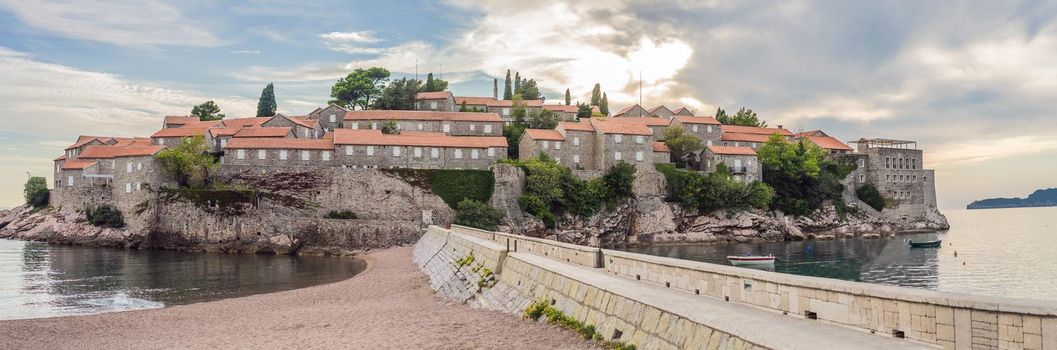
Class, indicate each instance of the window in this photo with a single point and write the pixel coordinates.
(333, 119)
(282, 154)
(576, 158)
(862, 178)
(128, 187)
(355, 126)
(128, 167)
(708, 128)
(546, 144)
(474, 154)
(419, 126)
(558, 160)
(694, 127)
(617, 138)
(487, 128)
(576, 140)
(240, 154)
(616, 156)
(262, 154)
(888, 178)
(557, 145)
(138, 186)
(434, 153)
(473, 127)
(491, 152)
(306, 155)
(348, 150)
(447, 128)
(432, 104)
(638, 156)
(458, 154)
(418, 152)
(709, 142)
(914, 163)
(506, 111)
(325, 155)
(639, 139)
(304, 132)
(862, 163)
(396, 151)
(370, 151)
(374, 125)
(69, 181)
(888, 163)
(139, 166)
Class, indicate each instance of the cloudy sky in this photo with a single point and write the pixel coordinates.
(974, 83)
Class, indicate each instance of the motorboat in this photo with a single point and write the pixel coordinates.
(751, 260)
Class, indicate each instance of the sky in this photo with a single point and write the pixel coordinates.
(975, 83)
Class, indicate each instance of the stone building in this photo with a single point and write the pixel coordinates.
(473, 104)
(567, 112)
(252, 122)
(279, 152)
(708, 129)
(171, 137)
(550, 142)
(683, 111)
(173, 121)
(617, 142)
(416, 150)
(303, 127)
(452, 123)
(591, 145)
(505, 109)
(752, 137)
(330, 117)
(661, 153)
(115, 174)
(661, 112)
(580, 145)
(632, 111)
(657, 125)
(741, 161)
(821, 139)
(896, 168)
(442, 101)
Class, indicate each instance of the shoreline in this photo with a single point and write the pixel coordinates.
(831, 237)
(389, 304)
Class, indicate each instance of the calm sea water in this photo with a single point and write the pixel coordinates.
(1000, 252)
(40, 280)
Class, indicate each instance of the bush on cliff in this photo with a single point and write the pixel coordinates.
(105, 216)
(189, 163)
(477, 214)
(454, 186)
(36, 192)
(706, 193)
(871, 196)
(802, 175)
(340, 214)
(552, 189)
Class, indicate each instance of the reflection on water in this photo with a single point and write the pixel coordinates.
(38, 280)
(1000, 252)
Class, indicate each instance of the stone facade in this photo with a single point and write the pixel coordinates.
(435, 101)
(451, 123)
(612, 149)
(300, 127)
(707, 129)
(329, 118)
(897, 172)
(743, 167)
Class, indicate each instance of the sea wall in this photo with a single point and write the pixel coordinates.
(652, 301)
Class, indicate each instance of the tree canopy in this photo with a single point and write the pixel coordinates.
(189, 163)
(206, 111)
(434, 85)
(266, 104)
(528, 90)
(543, 119)
(398, 95)
(744, 117)
(568, 98)
(389, 127)
(36, 192)
(583, 111)
(552, 189)
(681, 144)
(802, 175)
(604, 106)
(357, 88)
(507, 92)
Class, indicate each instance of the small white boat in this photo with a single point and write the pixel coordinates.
(751, 260)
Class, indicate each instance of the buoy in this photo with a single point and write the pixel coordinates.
(955, 253)
(963, 263)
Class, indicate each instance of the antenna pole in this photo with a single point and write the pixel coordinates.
(640, 90)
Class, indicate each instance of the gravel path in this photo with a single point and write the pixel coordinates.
(390, 305)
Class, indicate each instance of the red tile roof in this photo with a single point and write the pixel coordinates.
(683, 110)
(84, 140)
(755, 130)
(224, 131)
(829, 143)
(62, 157)
(280, 143)
(77, 164)
(438, 95)
(654, 110)
(510, 103)
(738, 137)
(470, 100)
(737, 151)
(610, 127)
(108, 152)
(584, 125)
(263, 132)
(647, 121)
(544, 134)
(245, 122)
(131, 141)
(186, 131)
(661, 147)
(376, 138)
(304, 121)
(627, 109)
(696, 120)
(179, 120)
(423, 115)
(562, 108)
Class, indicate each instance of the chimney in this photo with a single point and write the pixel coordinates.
(495, 88)
(780, 126)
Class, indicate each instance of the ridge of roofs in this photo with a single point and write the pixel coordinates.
(179, 119)
(263, 132)
(301, 120)
(510, 103)
(131, 141)
(654, 109)
(473, 100)
(84, 139)
(659, 146)
(279, 143)
(377, 138)
(224, 131)
(562, 108)
(682, 109)
(626, 109)
(577, 126)
(739, 137)
(731, 150)
(827, 142)
(433, 95)
(77, 164)
(685, 119)
(422, 115)
(62, 157)
(544, 134)
(107, 152)
(609, 127)
(186, 131)
(245, 122)
(755, 130)
(647, 121)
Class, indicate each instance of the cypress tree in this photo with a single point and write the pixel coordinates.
(568, 98)
(604, 106)
(429, 82)
(266, 104)
(596, 95)
(507, 94)
(517, 83)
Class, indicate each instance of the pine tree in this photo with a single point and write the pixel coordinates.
(568, 98)
(266, 105)
(604, 106)
(507, 94)
(517, 82)
(596, 95)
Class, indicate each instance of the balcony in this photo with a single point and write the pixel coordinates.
(737, 170)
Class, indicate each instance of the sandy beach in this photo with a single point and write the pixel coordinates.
(390, 305)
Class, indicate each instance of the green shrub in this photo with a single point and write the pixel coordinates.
(105, 216)
(476, 214)
(454, 186)
(871, 196)
(542, 308)
(618, 180)
(802, 175)
(717, 190)
(36, 192)
(342, 214)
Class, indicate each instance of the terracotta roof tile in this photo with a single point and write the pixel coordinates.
(683, 111)
(422, 115)
(437, 95)
(263, 132)
(829, 143)
(77, 164)
(179, 119)
(544, 134)
(245, 122)
(131, 141)
(661, 147)
(84, 140)
(739, 137)
(224, 131)
(610, 127)
(729, 150)
(510, 103)
(754, 130)
(471, 100)
(108, 152)
(280, 143)
(376, 138)
(186, 131)
(653, 111)
(62, 157)
(696, 120)
(647, 121)
(562, 108)
(584, 125)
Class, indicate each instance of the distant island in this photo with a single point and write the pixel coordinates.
(1039, 198)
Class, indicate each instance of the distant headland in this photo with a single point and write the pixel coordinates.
(1039, 198)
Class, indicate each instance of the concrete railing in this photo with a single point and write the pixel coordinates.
(951, 320)
(567, 252)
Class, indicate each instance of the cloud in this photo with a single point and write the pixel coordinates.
(366, 37)
(245, 52)
(124, 23)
